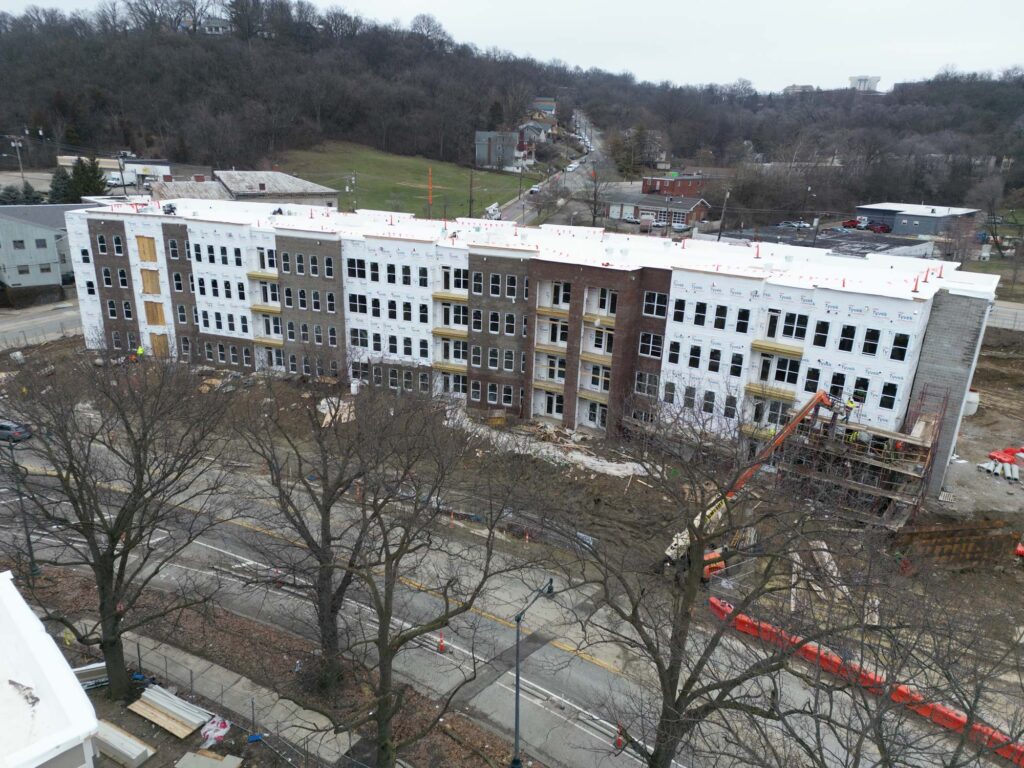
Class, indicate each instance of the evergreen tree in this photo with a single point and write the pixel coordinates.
(10, 195)
(86, 179)
(495, 117)
(29, 196)
(60, 186)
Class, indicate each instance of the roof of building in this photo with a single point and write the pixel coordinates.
(45, 215)
(772, 263)
(654, 200)
(43, 709)
(911, 209)
(196, 190)
(274, 183)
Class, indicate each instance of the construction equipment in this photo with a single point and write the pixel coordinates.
(714, 559)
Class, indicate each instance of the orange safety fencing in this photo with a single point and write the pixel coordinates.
(946, 717)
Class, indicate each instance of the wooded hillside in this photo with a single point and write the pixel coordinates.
(133, 75)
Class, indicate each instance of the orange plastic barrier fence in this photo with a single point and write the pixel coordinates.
(946, 717)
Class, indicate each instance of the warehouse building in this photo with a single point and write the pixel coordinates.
(910, 219)
(571, 324)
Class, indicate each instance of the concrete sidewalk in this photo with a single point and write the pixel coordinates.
(306, 729)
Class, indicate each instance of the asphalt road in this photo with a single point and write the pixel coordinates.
(566, 698)
(21, 327)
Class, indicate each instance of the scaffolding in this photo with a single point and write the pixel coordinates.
(862, 472)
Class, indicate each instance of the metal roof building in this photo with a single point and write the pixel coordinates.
(917, 219)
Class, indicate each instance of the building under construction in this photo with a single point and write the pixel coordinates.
(866, 473)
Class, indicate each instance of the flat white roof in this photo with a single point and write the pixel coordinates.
(43, 709)
(776, 263)
(911, 209)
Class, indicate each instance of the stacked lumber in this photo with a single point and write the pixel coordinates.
(92, 675)
(121, 747)
(175, 715)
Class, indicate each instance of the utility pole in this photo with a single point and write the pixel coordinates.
(721, 224)
(470, 193)
(546, 591)
(120, 164)
(17, 148)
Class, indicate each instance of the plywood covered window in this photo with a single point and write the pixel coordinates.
(147, 248)
(150, 281)
(154, 313)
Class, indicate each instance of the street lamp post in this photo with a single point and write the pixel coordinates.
(33, 569)
(546, 591)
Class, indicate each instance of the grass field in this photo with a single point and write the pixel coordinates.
(1006, 291)
(399, 183)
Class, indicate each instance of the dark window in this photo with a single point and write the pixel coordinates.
(787, 370)
(673, 352)
(846, 338)
(821, 333)
(721, 313)
(700, 313)
(773, 322)
(736, 367)
(730, 407)
(899, 346)
(678, 310)
(709, 402)
(838, 383)
(655, 304)
(742, 320)
(695, 356)
(888, 399)
(813, 380)
(794, 326)
(860, 389)
(714, 360)
(650, 345)
(871, 336)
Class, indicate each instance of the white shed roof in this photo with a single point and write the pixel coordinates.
(43, 709)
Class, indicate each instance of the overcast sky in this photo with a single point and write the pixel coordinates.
(815, 42)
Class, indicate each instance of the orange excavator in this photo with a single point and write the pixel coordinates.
(715, 559)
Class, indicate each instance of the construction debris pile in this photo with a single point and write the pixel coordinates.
(1005, 463)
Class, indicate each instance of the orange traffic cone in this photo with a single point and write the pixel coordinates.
(440, 643)
(619, 743)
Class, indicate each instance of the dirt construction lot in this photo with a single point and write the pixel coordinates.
(999, 423)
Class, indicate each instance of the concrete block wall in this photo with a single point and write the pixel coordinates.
(949, 355)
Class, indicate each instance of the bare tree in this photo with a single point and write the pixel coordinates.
(316, 451)
(410, 553)
(696, 682)
(128, 456)
(594, 193)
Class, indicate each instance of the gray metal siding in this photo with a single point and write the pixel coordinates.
(35, 259)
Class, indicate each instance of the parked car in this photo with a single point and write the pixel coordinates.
(535, 189)
(13, 432)
(879, 228)
(801, 224)
(658, 224)
(572, 167)
(851, 223)
(631, 219)
(681, 227)
(787, 225)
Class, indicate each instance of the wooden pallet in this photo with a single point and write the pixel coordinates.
(164, 719)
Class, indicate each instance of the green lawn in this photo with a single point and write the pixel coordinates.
(1006, 289)
(399, 183)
